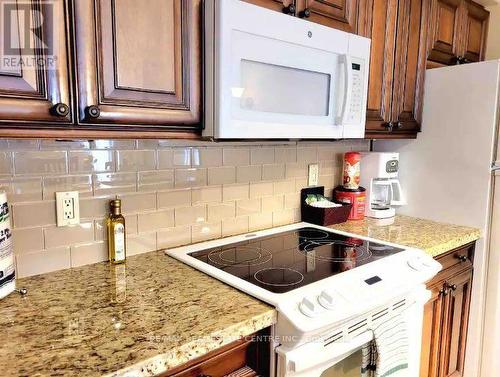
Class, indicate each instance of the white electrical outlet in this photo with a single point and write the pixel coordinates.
(313, 175)
(68, 208)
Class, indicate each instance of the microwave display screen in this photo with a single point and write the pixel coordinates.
(274, 88)
(356, 67)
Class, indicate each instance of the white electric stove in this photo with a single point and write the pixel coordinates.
(334, 293)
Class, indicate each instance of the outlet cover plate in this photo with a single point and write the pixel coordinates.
(67, 208)
(313, 175)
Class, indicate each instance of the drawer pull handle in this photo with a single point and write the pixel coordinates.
(60, 109)
(462, 258)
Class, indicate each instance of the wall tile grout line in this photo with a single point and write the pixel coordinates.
(174, 192)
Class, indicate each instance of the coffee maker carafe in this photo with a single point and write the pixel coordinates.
(379, 175)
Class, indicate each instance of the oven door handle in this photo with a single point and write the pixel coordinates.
(346, 101)
(315, 356)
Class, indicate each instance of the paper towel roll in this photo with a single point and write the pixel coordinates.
(7, 271)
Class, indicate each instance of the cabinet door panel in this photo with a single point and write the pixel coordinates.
(475, 31)
(432, 333)
(410, 64)
(29, 91)
(445, 24)
(338, 14)
(139, 64)
(276, 5)
(455, 324)
(383, 35)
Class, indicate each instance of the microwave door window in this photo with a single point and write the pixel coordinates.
(271, 88)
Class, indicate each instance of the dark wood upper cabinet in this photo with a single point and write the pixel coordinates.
(338, 14)
(475, 32)
(445, 26)
(409, 69)
(29, 92)
(458, 32)
(382, 31)
(285, 6)
(138, 64)
(397, 67)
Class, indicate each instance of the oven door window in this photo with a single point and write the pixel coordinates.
(349, 367)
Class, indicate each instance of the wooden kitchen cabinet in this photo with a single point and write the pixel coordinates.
(344, 15)
(27, 93)
(458, 30)
(248, 357)
(446, 315)
(134, 70)
(475, 32)
(138, 64)
(397, 67)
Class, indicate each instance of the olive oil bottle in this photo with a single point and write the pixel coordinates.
(116, 233)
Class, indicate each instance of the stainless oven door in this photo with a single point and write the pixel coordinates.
(316, 359)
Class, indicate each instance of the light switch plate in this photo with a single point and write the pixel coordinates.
(313, 175)
(67, 208)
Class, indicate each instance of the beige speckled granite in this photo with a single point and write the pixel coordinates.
(433, 237)
(144, 317)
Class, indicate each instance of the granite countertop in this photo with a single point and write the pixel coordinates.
(154, 313)
(142, 318)
(433, 237)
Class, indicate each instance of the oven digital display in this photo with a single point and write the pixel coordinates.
(373, 280)
(356, 67)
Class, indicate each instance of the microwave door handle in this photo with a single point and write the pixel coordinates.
(346, 102)
(396, 188)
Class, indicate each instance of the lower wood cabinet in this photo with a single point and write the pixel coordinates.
(446, 315)
(247, 357)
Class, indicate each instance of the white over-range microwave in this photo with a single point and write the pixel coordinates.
(272, 76)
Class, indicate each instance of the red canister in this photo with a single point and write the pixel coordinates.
(356, 197)
(352, 170)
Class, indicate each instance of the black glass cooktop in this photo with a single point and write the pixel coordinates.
(289, 260)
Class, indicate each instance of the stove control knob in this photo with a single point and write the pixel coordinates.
(327, 300)
(308, 307)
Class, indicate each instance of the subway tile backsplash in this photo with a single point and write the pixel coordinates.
(174, 192)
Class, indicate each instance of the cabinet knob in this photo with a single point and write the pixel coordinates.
(389, 126)
(443, 292)
(399, 125)
(456, 60)
(60, 110)
(92, 112)
(464, 60)
(290, 9)
(306, 13)
(453, 287)
(462, 258)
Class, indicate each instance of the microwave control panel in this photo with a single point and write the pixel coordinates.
(358, 91)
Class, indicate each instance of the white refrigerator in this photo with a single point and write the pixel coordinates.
(449, 174)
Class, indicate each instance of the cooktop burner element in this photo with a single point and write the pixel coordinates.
(278, 276)
(284, 261)
(240, 256)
